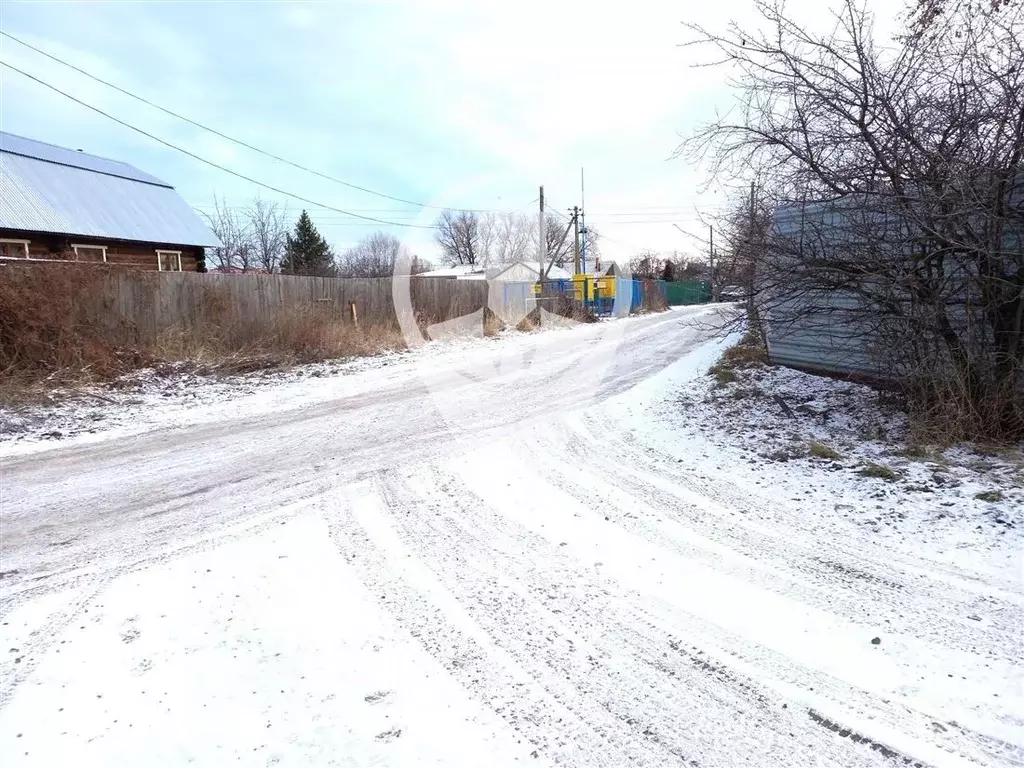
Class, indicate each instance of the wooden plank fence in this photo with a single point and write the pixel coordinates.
(150, 303)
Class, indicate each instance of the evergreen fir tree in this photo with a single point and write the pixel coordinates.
(668, 274)
(307, 252)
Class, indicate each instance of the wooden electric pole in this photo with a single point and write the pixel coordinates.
(542, 237)
(576, 239)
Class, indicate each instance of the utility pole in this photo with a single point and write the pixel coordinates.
(583, 223)
(576, 241)
(542, 237)
(711, 258)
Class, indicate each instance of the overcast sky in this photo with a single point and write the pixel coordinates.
(462, 103)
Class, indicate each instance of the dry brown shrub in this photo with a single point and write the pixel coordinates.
(49, 327)
(59, 324)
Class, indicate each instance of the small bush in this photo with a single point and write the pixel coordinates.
(562, 307)
(493, 324)
(822, 451)
(722, 374)
(992, 496)
(748, 353)
(871, 469)
(743, 356)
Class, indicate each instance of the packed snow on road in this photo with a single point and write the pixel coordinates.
(561, 548)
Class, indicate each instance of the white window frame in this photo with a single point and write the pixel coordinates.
(14, 241)
(160, 263)
(76, 246)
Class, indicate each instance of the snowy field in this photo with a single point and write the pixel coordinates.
(562, 548)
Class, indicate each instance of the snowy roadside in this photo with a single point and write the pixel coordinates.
(241, 656)
(665, 596)
(148, 399)
(796, 437)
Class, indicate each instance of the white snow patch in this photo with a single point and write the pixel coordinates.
(268, 650)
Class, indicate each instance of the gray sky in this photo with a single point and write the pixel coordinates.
(462, 103)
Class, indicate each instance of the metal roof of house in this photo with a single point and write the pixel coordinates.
(45, 188)
(458, 270)
(554, 272)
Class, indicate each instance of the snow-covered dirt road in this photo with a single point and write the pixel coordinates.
(444, 562)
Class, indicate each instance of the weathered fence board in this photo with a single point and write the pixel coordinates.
(147, 304)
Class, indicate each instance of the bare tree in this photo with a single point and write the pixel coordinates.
(647, 265)
(507, 237)
(233, 231)
(896, 178)
(515, 237)
(593, 246)
(931, 19)
(375, 256)
(740, 232)
(268, 231)
(458, 234)
(558, 233)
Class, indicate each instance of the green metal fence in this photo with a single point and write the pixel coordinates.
(688, 292)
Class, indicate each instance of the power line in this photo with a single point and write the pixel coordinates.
(224, 136)
(397, 212)
(209, 162)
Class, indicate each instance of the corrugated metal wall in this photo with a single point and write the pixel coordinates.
(834, 331)
(820, 331)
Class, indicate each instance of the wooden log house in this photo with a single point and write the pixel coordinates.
(64, 205)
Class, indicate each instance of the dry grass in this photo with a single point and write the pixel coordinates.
(947, 408)
(561, 306)
(60, 328)
(653, 300)
(45, 327)
(722, 374)
(529, 323)
(871, 469)
(822, 451)
(749, 353)
(493, 325)
(56, 329)
(990, 496)
(301, 335)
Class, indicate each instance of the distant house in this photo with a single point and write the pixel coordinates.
(528, 272)
(458, 272)
(59, 204)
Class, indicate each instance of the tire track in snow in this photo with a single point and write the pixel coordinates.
(840, 585)
(904, 604)
(42, 638)
(562, 663)
(692, 707)
(911, 567)
(794, 680)
(447, 632)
